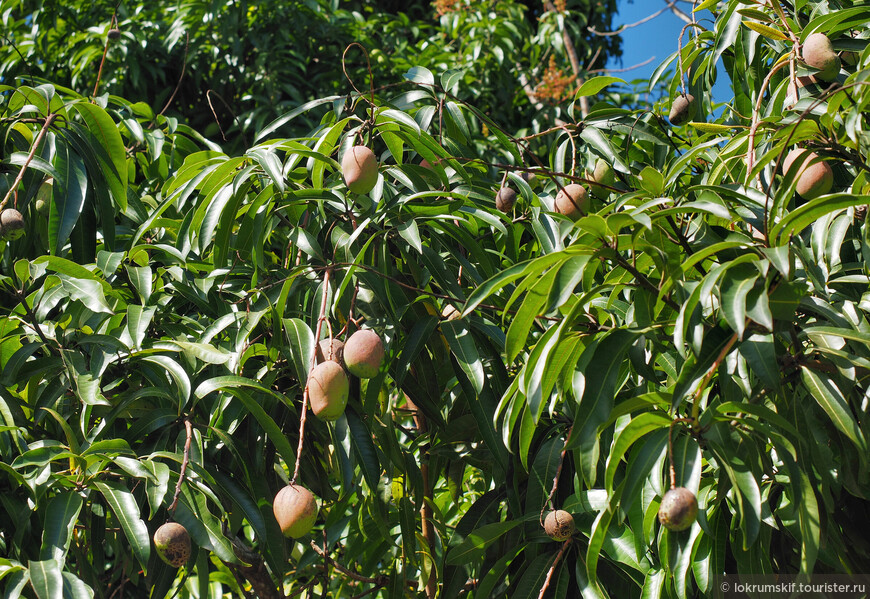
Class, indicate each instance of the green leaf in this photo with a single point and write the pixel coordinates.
(138, 321)
(205, 352)
(601, 378)
(747, 495)
(531, 308)
(529, 586)
(178, 374)
(497, 571)
(830, 398)
(760, 354)
(234, 385)
(61, 516)
(363, 447)
(598, 535)
(87, 291)
(70, 190)
(636, 429)
(300, 345)
(766, 31)
(75, 588)
(464, 348)
(420, 75)
(542, 473)
(141, 278)
(802, 217)
(711, 127)
(593, 86)
(46, 578)
(475, 543)
(193, 513)
(70, 269)
(108, 148)
(735, 286)
(126, 512)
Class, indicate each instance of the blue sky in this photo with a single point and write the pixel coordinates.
(657, 38)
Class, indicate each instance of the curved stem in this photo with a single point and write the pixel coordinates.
(48, 121)
(305, 393)
(184, 462)
(673, 472)
(555, 486)
(552, 569)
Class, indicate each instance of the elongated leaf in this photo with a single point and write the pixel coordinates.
(363, 447)
(108, 149)
(542, 473)
(532, 581)
(593, 86)
(599, 533)
(138, 321)
(760, 354)
(495, 573)
(300, 345)
(831, 399)
(601, 379)
(87, 291)
(235, 386)
(531, 308)
(633, 431)
(766, 31)
(802, 217)
(70, 269)
(61, 516)
(463, 347)
(474, 545)
(46, 578)
(75, 588)
(126, 512)
(178, 374)
(735, 286)
(69, 194)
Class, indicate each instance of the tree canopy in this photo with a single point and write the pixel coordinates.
(229, 68)
(694, 320)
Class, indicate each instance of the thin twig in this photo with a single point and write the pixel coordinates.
(593, 31)
(696, 400)
(683, 16)
(371, 77)
(756, 118)
(181, 77)
(103, 61)
(185, 460)
(378, 580)
(232, 113)
(626, 69)
(48, 121)
(671, 449)
(553, 568)
(680, 55)
(305, 393)
(556, 478)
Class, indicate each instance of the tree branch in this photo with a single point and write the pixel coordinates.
(189, 430)
(305, 393)
(48, 121)
(646, 19)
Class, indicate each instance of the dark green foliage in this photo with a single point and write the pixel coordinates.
(700, 326)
